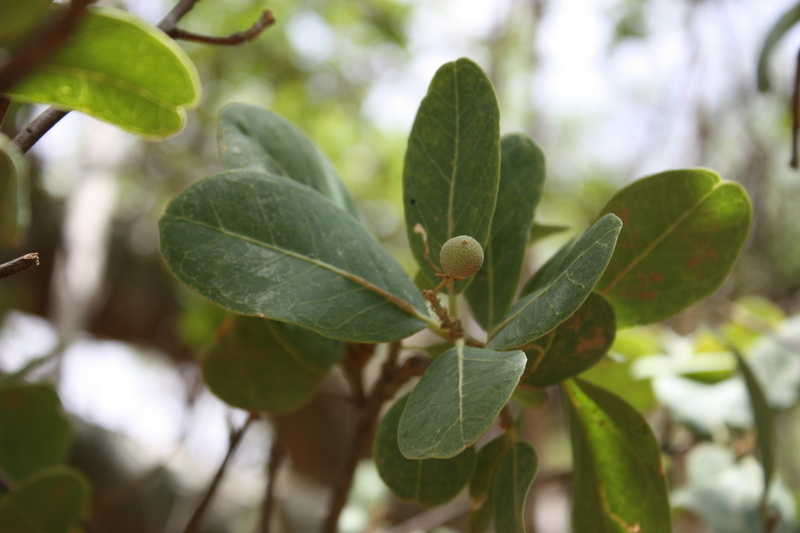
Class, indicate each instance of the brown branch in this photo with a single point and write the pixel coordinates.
(34, 131)
(267, 19)
(795, 113)
(391, 378)
(175, 14)
(355, 359)
(276, 457)
(233, 442)
(18, 265)
(52, 34)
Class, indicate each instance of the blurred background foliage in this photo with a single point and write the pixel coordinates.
(611, 89)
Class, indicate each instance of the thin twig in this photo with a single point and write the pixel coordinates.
(795, 112)
(276, 457)
(267, 19)
(235, 438)
(391, 378)
(175, 14)
(4, 103)
(34, 131)
(18, 265)
(50, 36)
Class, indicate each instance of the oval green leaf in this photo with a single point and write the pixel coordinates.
(19, 18)
(512, 482)
(51, 501)
(683, 231)
(452, 165)
(429, 482)
(34, 433)
(574, 346)
(457, 400)
(14, 194)
(485, 467)
(256, 138)
(617, 478)
(263, 245)
(258, 364)
(569, 282)
(117, 68)
(540, 231)
(522, 172)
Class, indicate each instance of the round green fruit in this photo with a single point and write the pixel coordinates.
(461, 256)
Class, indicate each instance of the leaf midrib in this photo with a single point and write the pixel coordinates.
(398, 302)
(644, 253)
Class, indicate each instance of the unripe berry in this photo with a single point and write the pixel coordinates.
(461, 256)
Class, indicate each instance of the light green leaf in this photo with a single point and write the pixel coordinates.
(14, 195)
(119, 69)
(457, 400)
(683, 231)
(34, 433)
(513, 480)
(263, 245)
(522, 172)
(765, 424)
(574, 346)
(19, 18)
(617, 478)
(785, 23)
(541, 231)
(251, 137)
(258, 364)
(563, 291)
(452, 165)
(429, 482)
(51, 501)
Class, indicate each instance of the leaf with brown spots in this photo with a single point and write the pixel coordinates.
(682, 233)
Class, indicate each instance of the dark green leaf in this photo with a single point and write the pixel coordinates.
(457, 400)
(617, 478)
(51, 501)
(765, 424)
(785, 23)
(452, 166)
(485, 467)
(251, 137)
(683, 231)
(530, 397)
(263, 365)
(521, 180)
(263, 245)
(515, 475)
(120, 69)
(542, 231)
(34, 433)
(574, 346)
(563, 291)
(20, 17)
(429, 482)
(480, 517)
(14, 196)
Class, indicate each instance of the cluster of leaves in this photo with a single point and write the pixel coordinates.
(277, 237)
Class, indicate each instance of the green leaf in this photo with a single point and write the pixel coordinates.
(263, 365)
(563, 291)
(480, 517)
(263, 245)
(785, 23)
(19, 18)
(119, 69)
(14, 196)
(541, 231)
(485, 468)
(51, 501)
(765, 423)
(574, 346)
(34, 433)
(617, 479)
(683, 232)
(452, 165)
(457, 400)
(251, 137)
(513, 480)
(429, 482)
(522, 173)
